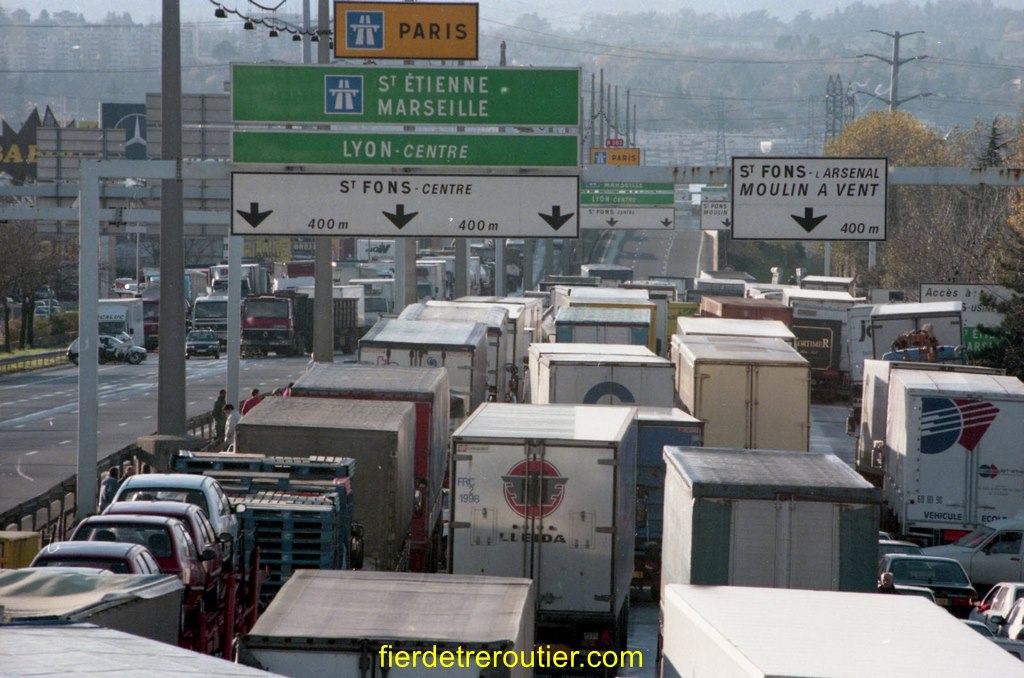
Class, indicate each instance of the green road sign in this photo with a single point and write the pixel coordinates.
(466, 150)
(626, 198)
(343, 93)
(627, 186)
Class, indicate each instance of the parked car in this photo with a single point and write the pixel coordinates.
(944, 576)
(167, 539)
(111, 349)
(887, 546)
(997, 603)
(202, 491)
(202, 342)
(195, 519)
(118, 557)
(1014, 647)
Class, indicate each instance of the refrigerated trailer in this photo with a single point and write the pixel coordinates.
(952, 452)
(548, 492)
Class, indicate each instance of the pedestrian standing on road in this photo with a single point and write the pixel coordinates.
(129, 471)
(108, 487)
(252, 401)
(229, 431)
(219, 418)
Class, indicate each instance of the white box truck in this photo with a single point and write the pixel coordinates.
(495, 319)
(870, 421)
(345, 623)
(538, 350)
(122, 314)
(767, 518)
(746, 632)
(460, 347)
(549, 492)
(734, 327)
(601, 379)
(944, 321)
(749, 392)
(952, 452)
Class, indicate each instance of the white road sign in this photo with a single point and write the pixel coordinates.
(661, 218)
(808, 198)
(406, 205)
(715, 215)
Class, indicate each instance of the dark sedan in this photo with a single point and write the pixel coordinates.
(201, 342)
(944, 576)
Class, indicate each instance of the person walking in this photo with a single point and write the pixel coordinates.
(219, 418)
(108, 487)
(229, 430)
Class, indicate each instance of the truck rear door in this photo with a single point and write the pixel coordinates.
(543, 513)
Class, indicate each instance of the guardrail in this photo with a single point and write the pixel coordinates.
(33, 361)
(52, 513)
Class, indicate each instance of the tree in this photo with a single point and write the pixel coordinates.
(30, 262)
(1009, 352)
(935, 233)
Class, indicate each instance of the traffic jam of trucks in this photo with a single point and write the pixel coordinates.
(521, 471)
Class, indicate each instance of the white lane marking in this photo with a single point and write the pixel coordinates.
(29, 454)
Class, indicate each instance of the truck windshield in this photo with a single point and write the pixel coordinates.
(211, 309)
(266, 309)
(976, 538)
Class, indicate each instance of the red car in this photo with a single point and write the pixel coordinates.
(199, 526)
(167, 539)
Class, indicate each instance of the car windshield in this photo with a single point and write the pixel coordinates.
(976, 538)
(925, 572)
(201, 336)
(166, 494)
(154, 537)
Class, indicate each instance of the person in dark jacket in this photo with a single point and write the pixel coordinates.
(219, 418)
(108, 487)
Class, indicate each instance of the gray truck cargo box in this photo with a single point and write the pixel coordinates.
(380, 436)
(323, 623)
(768, 518)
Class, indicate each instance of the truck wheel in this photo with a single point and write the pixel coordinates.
(134, 358)
(216, 356)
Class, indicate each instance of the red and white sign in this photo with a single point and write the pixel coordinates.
(614, 143)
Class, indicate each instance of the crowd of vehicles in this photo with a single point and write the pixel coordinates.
(617, 458)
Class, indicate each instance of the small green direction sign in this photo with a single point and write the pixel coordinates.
(627, 193)
(343, 93)
(464, 150)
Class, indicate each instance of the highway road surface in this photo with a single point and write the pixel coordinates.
(39, 413)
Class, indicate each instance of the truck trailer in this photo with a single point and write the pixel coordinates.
(538, 350)
(380, 436)
(122, 314)
(734, 631)
(496, 320)
(656, 427)
(427, 389)
(601, 379)
(459, 347)
(548, 492)
(749, 392)
(334, 623)
(952, 451)
(768, 518)
(869, 420)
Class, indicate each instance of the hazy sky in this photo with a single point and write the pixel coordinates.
(490, 10)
